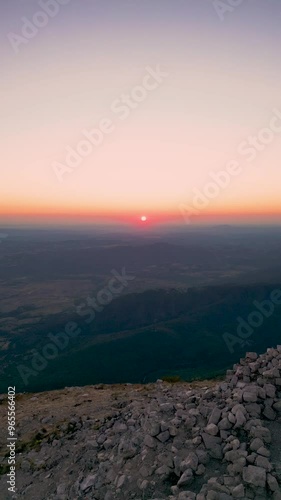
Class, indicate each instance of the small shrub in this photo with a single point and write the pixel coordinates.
(172, 379)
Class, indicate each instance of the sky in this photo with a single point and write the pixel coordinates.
(117, 109)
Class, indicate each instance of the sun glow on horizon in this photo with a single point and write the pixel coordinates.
(196, 137)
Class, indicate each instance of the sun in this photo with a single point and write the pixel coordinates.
(143, 218)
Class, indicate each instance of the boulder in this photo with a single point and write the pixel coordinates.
(255, 476)
(212, 429)
(186, 478)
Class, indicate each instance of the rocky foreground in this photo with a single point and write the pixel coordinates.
(158, 441)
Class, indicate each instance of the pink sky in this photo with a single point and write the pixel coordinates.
(220, 89)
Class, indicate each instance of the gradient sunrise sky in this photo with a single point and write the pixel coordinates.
(221, 86)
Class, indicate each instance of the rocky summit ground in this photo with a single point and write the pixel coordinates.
(213, 441)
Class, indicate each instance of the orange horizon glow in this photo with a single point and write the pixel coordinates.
(153, 218)
(217, 93)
